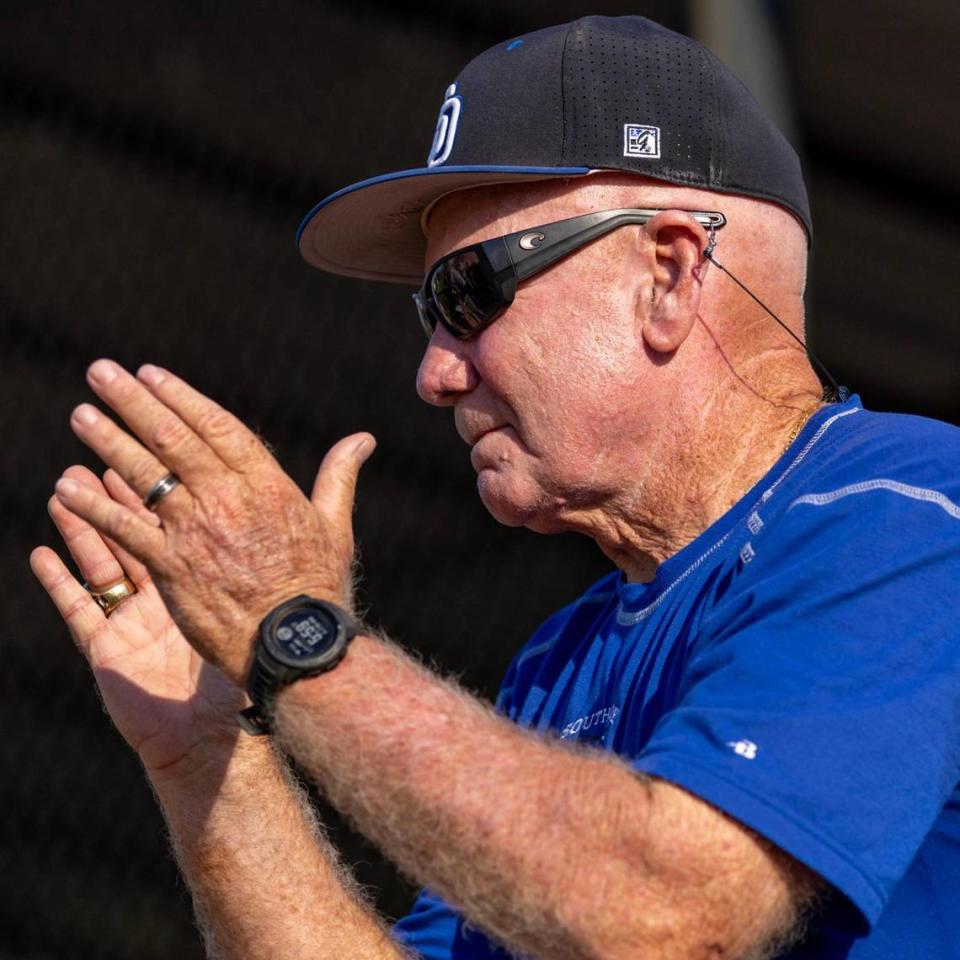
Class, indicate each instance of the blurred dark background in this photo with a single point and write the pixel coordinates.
(154, 162)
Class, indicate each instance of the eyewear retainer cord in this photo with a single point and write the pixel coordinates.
(841, 392)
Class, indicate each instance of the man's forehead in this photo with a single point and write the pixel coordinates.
(480, 213)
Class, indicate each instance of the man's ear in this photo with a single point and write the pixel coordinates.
(676, 243)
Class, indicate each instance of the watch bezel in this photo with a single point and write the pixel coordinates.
(318, 661)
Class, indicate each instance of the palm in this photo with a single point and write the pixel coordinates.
(162, 696)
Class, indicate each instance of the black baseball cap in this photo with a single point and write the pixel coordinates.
(600, 93)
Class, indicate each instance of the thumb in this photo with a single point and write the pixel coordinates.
(336, 483)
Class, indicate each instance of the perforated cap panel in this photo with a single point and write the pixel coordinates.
(709, 130)
(616, 75)
(601, 93)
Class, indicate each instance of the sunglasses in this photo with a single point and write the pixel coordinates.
(468, 289)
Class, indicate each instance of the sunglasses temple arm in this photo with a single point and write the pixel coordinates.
(595, 226)
(530, 263)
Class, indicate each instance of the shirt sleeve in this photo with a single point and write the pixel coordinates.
(435, 931)
(820, 703)
(430, 928)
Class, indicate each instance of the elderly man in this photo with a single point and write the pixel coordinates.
(743, 742)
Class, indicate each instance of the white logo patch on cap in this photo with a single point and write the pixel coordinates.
(446, 130)
(640, 140)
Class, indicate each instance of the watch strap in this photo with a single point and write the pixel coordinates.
(262, 687)
(252, 722)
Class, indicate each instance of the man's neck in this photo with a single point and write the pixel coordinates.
(702, 469)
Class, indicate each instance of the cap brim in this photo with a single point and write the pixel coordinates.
(372, 229)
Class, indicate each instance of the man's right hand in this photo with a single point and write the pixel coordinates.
(175, 710)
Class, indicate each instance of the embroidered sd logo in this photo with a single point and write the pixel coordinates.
(446, 130)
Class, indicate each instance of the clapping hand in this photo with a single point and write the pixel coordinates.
(235, 536)
(162, 696)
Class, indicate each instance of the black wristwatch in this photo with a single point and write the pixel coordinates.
(302, 637)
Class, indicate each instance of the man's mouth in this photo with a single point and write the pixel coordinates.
(472, 434)
(478, 437)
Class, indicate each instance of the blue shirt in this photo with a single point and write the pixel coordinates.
(797, 666)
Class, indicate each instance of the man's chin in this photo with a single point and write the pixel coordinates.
(502, 509)
(510, 503)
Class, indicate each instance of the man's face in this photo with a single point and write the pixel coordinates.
(547, 396)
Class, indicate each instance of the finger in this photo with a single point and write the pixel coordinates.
(116, 448)
(232, 441)
(84, 475)
(154, 423)
(98, 565)
(79, 610)
(118, 488)
(130, 566)
(122, 492)
(111, 519)
(336, 484)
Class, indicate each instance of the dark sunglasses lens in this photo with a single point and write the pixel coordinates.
(427, 323)
(464, 293)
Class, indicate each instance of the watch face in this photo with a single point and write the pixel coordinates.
(304, 637)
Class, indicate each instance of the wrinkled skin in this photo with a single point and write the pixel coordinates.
(237, 536)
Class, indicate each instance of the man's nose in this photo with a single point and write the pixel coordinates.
(446, 371)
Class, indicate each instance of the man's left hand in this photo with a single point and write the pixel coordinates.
(237, 536)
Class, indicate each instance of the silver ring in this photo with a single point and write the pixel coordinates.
(160, 489)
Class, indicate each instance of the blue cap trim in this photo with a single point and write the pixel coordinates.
(435, 171)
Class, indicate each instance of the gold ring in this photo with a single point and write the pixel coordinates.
(111, 597)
